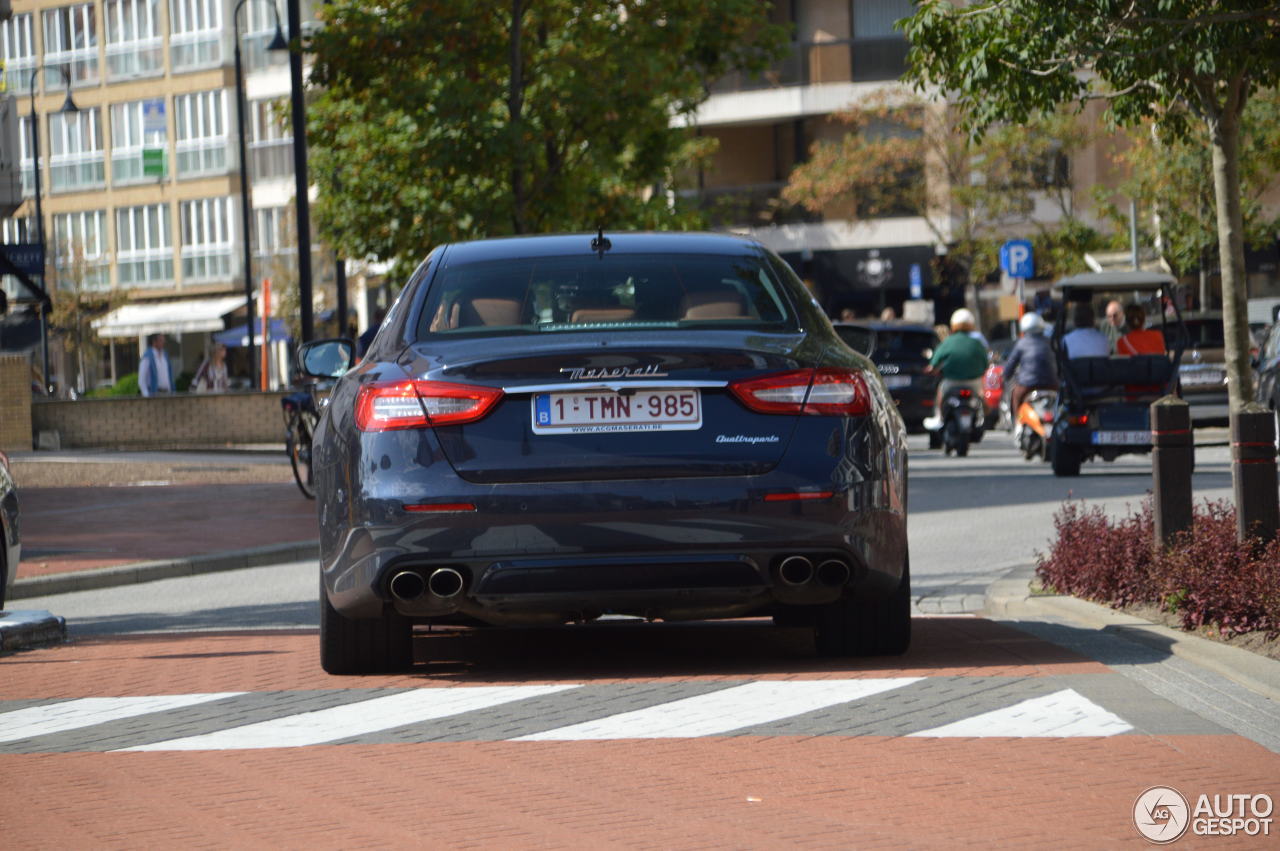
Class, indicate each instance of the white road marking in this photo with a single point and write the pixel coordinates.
(89, 711)
(1063, 713)
(721, 711)
(355, 719)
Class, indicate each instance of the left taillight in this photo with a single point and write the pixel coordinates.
(390, 405)
(821, 392)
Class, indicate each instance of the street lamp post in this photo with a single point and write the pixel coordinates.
(277, 43)
(301, 198)
(67, 106)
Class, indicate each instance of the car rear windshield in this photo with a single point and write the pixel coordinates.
(1206, 333)
(616, 292)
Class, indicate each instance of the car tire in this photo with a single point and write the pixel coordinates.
(1065, 459)
(363, 646)
(866, 626)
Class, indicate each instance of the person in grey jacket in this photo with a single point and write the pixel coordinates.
(1030, 364)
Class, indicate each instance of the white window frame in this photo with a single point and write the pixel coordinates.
(270, 141)
(144, 246)
(259, 29)
(76, 154)
(89, 227)
(128, 139)
(18, 51)
(195, 34)
(200, 128)
(207, 241)
(135, 45)
(71, 40)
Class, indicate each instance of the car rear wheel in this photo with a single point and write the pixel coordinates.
(1066, 459)
(862, 626)
(372, 646)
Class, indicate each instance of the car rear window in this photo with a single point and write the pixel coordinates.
(1206, 333)
(617, 292)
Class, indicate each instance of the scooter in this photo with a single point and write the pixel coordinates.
(1035, 423)
(962, 421)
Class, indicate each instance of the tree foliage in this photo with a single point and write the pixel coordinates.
(439, 120)
(74, 307)
(1179, 63)
(1172, 178)
(904, 156)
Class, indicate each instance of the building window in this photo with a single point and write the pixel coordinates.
(259, 29)
(76, 158)
(195, 34)
(144, 246)
(200, 122)
(80, 250)
(129, 137)
(273, 233)
(206, 240)
(24, 154)
(71, 40)
(879, 50)
(270, 142)
(18, 53)
(134, 44)
(17, 229)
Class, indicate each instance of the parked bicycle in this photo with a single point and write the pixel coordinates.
(301, 413)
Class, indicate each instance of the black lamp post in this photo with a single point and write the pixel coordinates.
(67, 106)
(277, 43)
(302, 199)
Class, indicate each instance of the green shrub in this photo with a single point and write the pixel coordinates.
(126, 385)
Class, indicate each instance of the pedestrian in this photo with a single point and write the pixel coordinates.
(1139, 340)
(155, 373)
(888, 314)
(211, 377)
(1085, 341)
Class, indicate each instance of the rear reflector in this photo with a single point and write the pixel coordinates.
(797, 496)
(441, 507)
(964, 392)
(821, 392)
(389, 405)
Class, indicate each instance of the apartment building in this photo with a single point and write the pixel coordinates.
(140, 184)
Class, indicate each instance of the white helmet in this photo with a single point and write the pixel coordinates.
(962, 320)
(1031, 323)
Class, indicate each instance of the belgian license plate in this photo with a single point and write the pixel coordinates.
(897, 382)
(1203, 378)
(591, 412)
(1121, 438)
(965, 419)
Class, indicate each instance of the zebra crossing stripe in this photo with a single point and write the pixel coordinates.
(1063, 713)
(90, 711)
(725, 710)
(355, 719)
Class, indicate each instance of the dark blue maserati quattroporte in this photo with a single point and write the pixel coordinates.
(550, 429)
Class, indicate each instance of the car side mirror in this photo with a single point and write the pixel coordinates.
(327, 358)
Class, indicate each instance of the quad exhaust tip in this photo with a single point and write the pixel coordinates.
(445, 582)
(833, 573)
(795, 570)
(407, 585)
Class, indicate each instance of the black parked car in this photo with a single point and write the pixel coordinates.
(901, 351)
(550, 429)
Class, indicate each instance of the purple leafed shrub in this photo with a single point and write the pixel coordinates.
(1207, 578)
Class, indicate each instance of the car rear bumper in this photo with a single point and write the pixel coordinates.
(556, 552)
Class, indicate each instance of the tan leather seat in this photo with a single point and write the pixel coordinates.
(713, 304)
(602, 314)
(489, 311)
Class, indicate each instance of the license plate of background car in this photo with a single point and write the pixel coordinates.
(1121, 438)
(897, 382)
(592, 412)
(1201, 378)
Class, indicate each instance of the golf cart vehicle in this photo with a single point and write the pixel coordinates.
(1104, 402)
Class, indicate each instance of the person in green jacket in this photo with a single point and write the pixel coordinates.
(962, 359)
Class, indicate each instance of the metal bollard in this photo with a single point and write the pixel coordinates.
(1172, 460)
(1253, 471)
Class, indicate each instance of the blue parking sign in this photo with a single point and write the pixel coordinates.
(1016, 259)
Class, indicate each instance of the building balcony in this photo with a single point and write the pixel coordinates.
(755, 205)
(817, 62)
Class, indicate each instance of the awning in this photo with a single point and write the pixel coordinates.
(239, 335)
(189, 316)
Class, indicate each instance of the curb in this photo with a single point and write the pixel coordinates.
(28, 628)
(1011, 597)
(148, 571)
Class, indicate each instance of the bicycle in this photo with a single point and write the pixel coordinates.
(300, 418)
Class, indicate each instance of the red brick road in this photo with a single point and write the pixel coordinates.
(718, 792)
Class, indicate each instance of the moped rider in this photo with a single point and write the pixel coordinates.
(961, 359)
(1030, 363)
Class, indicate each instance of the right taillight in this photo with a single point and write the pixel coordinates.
(391, 405)
(820, 392)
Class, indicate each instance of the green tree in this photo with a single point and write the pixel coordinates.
(437, 120)
(904, 155)
(1179, 63)
(1173, 178)
(75, 306)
